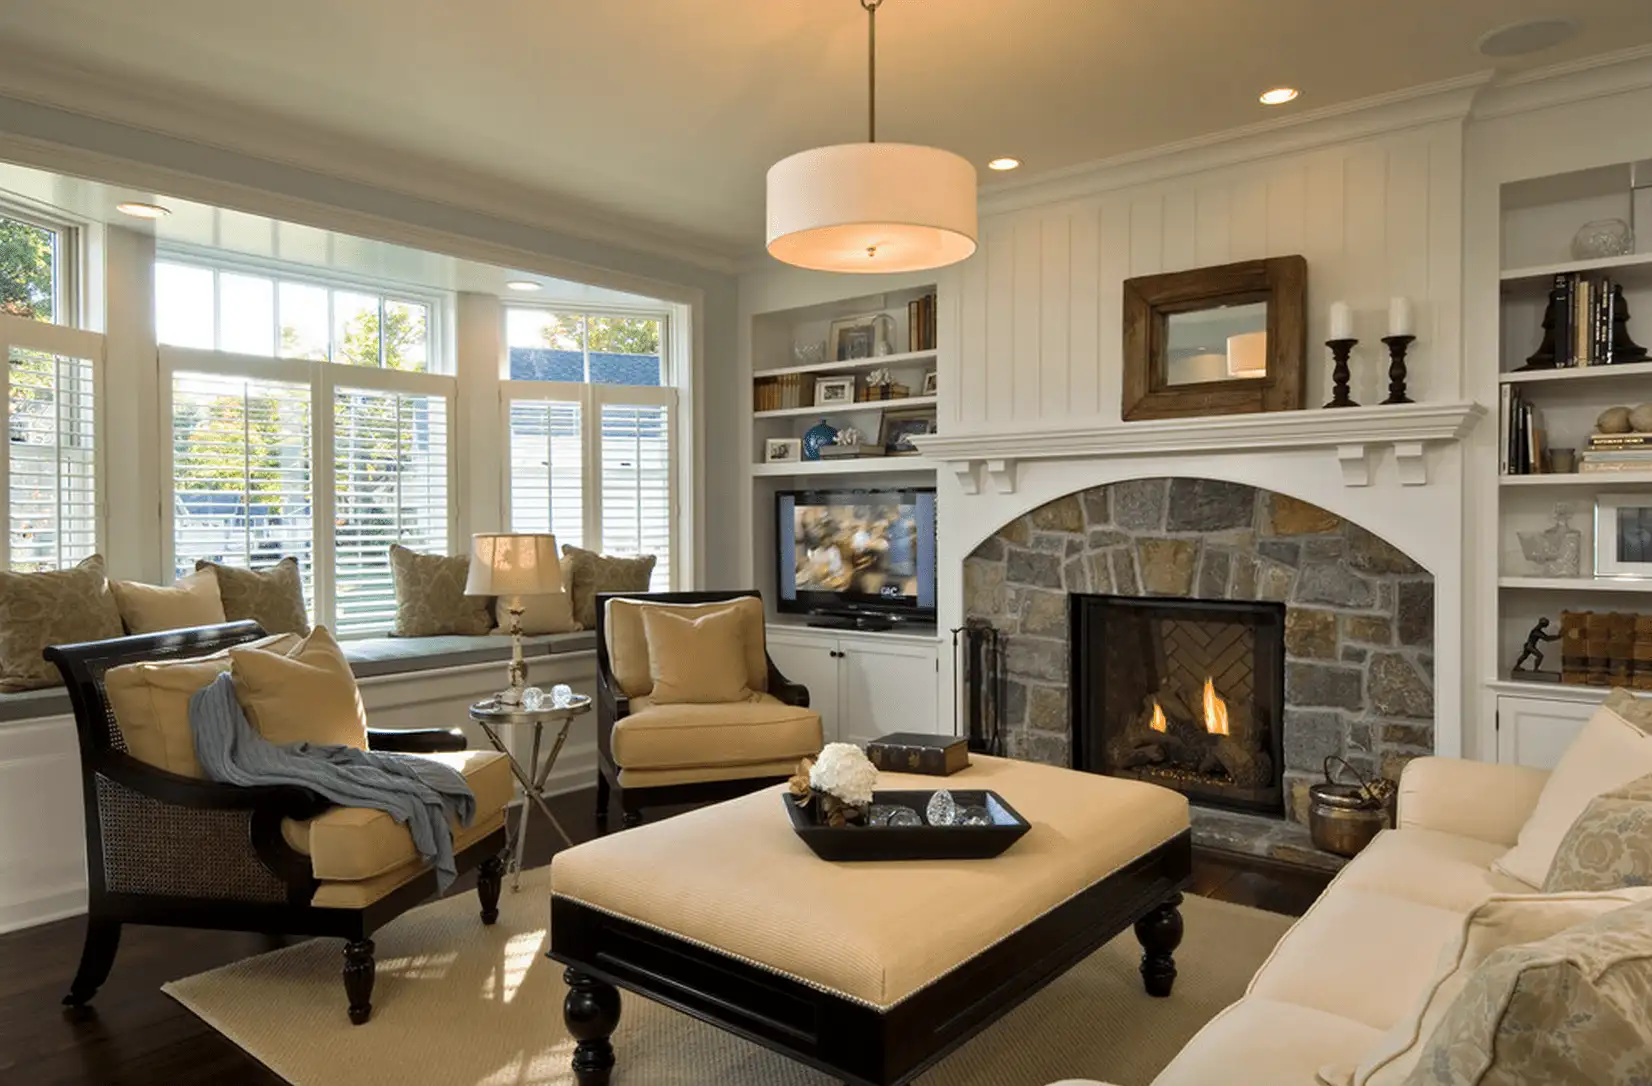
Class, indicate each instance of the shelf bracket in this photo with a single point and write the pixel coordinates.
(1408, 457)
(1355, 461)
(964, 472)
(1002, 473)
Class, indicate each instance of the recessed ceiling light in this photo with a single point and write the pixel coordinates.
(1532, 36)
(1005, 163)
(1278, 96)
(142, 211)
(523, 285)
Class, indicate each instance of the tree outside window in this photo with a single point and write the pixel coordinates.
(28, 258)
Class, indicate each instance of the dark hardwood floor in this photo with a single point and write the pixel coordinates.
(133, 1035)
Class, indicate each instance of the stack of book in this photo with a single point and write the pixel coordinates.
(1586, 324)
(775, 393)
(1523, 435)
(1616, 452)
(920, 324)
(1611, 649)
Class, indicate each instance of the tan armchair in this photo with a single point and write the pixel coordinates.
(655, 755)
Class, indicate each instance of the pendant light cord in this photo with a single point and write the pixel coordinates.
(871, 7)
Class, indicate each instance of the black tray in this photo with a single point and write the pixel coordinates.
(849, 843)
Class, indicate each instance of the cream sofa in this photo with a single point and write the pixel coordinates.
(1359, 960)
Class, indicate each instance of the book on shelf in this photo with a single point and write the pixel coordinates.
(1525, 441)
(920, 323)
(1585, 318)
(1620, 441)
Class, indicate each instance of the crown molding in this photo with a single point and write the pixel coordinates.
(1598, 76)
(1413, 107)
(149, 106)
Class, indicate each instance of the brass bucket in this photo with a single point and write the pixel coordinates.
(1343, 818)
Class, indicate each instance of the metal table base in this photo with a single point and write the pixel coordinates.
(533, 776)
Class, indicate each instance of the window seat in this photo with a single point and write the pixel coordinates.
(369, 657)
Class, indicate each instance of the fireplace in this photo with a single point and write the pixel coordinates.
(1184, 693)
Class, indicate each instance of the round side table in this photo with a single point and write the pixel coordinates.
(491, 717)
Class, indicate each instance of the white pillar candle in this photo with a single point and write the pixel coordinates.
(1399, 317)
(1342, 321)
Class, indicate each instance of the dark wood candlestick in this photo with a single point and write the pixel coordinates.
(1340, 350)
(1396, 367)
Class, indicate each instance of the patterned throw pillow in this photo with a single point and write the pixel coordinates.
(588, 573)
(58, 607)
(1570, 1008)
(1610, 844)
(272, 597)
(430, 596)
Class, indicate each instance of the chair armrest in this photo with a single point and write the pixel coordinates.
(282, 800)
(1482, 800)
(416, 740)
(788, 692)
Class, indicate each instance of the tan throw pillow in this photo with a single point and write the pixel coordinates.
(628, 645)
(1610, 844)
(272, 597)
(58, 607)
(1570, 1008)
(696, 660)
(190, 601)
(547, 613)
(430, 596)
(1607, 754)
(589, 573)
(151, 703)
(304, 695)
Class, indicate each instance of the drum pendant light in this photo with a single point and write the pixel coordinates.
(871, 207)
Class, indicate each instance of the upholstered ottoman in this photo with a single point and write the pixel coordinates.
(868, 971)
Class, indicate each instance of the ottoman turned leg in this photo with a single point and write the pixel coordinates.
(591, 1011)
(1160, 933)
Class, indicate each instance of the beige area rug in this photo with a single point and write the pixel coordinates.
(461, 1004)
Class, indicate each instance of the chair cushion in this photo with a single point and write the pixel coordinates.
(667, 778)
(1610, 751)
(696, 659)
(1266, 1042)
(589, 573)
(352, 843)
(430, 595)
(151, 703)
(272, 597)
(1430, 867)
(1610, 844)
(360, 893)
(763, 729)
(306, 694)
(627, 642)
(188, 601)
(58, 607)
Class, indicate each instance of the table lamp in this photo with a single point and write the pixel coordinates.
(510, 566)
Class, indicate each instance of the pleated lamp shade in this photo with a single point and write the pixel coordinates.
(872, 208)
(512, 565)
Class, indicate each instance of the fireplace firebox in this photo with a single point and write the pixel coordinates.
(1184, 693)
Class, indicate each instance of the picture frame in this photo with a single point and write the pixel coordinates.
(850, 339)
(1623, 536)
(783, 450)
(834, 391)
(929, 384)
(899, 427)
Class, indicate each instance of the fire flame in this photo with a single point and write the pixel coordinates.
(1158, 723)
(1216, 711)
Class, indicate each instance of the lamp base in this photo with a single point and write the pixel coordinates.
(511, 696)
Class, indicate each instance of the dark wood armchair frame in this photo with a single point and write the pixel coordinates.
(613, 706)
(178, 851)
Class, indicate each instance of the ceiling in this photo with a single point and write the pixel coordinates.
(670, 111)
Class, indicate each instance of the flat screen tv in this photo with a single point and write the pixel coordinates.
(854, 553)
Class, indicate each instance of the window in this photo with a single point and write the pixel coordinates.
(31, 271)
(590, 424)
(50, 460)
(271, 380)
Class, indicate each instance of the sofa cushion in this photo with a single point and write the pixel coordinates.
(627, 643)
(763, 729)
(588, 573)
(151, 703)
(272, 597)
(58, 607)
(1608, 753)
(1610, 844)
(353, 843)
(305, 694)
(1570, 1008)
(1431, 868)
(430, 595)
(188, 601)
(696, 659)
(1265, 1042)
(1360, 954)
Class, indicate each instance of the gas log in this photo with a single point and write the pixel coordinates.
(1187, 741)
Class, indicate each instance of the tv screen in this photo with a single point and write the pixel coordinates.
(848, 551)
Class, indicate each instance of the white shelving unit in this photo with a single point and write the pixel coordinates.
(872, 465)
(1575, 584)
(853, 365)
(859, 407)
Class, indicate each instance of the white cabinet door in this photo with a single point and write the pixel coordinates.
(812, 662)
(1536, 731)
(886, 688)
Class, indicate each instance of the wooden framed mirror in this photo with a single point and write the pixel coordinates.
(1226, 340)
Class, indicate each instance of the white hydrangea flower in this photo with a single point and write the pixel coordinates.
(843, 770)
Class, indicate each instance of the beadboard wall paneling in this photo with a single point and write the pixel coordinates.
(1040, 334)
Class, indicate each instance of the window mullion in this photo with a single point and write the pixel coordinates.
(57, 462)
(591, 423)
(323, 480)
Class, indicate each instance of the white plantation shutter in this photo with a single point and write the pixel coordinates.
(50, 457)
(547, 469)
(635, 459)
(241, 473)
(390, 455)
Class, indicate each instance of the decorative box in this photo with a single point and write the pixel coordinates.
(883, 392)
(917, 752)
